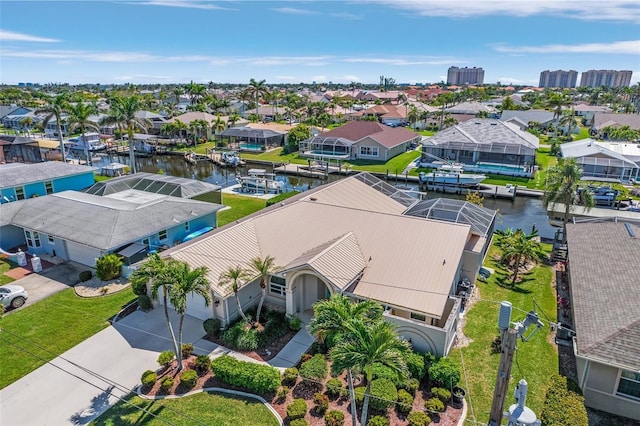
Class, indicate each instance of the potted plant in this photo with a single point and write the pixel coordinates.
(458, 394)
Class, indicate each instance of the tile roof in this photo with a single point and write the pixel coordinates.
(14, 174)
(358, 130)
(605, 289)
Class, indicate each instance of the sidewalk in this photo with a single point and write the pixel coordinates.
(293, 351)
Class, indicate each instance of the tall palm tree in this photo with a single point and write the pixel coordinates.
(186, 281)
(27, 124)
(367, 345)
(561, 187)
(264, 267)
(55, 108)
(518, 248)
(219, 125)
(235, 277)
(558, 101)
(569, 119)
(234, 118)
(180, 128)
(256, 90)
(78, 118)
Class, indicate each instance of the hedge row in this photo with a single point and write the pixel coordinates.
(257, 378)
(563, 406)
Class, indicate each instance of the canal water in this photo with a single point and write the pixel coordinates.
(523, 212)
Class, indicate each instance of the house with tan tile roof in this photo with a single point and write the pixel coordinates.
(360, 140)
(350, 237)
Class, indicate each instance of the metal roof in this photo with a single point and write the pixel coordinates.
(589, 151)
(456, 211)
(150, 182)
(15, 174)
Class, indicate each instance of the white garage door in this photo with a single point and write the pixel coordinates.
(195, 306)
(82, 254)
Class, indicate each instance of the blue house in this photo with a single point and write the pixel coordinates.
(19, 181)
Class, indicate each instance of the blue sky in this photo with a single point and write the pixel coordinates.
(175, 41)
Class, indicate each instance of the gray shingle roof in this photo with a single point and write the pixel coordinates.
(541, 116)
(101, 222)
(605, 289)
(15, 174)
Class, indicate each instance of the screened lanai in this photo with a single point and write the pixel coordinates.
(471, 152)
(248, 139)
(391, 191)
(326, 146)
(481, 219)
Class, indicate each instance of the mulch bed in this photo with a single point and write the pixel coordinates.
(264, 354)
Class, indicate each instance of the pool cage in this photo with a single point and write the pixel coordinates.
(326, 145)
(389, 190)
(248, 139)
(481, 219)
(469, 152)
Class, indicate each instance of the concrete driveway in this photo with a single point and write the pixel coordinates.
(83, 382)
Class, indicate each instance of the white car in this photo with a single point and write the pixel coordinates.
(12, 296)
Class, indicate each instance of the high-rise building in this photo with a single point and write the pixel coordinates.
(465, 75)
(606, 78)
(559, 78)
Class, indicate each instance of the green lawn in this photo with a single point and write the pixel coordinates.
(6, 265)
(55, 325)
(202, 408)
(426, 132)
(535, 360)
(274, 156)
(544, 159)
(396, 165)
(584, 134)
(241, 206)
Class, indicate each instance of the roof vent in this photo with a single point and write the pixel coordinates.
(313, 199)
(629, 230)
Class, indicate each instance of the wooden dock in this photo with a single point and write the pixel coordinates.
(302, 170)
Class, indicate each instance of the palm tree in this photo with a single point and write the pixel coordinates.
(186, 281)
(518, 248)
(557, 101)
(569, 119)
(235, 277)
(256, 90)
(27, 124)
(234, 118)
(179, 127)
(561, 187)
(55, 108)
(366, 346)
(264, 267)
(219, 125)
(78, 118)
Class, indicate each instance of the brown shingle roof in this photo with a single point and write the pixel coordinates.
(385, 135)
(605, 289)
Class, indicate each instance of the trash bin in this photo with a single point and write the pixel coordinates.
(21, 258)
(36, 264)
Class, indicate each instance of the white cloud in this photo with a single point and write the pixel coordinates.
(289, 60)
(403, 61)
(184, 4)
(350, 78)
(588, 10)
(631, 47)
(294, 11)
(346, 16)
(319, 78)
(13, 36)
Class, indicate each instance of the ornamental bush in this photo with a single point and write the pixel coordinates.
(165, 358)
(297, 409)
(563, 406)
(445, 372)
(334, 418)
(334, 387)
(434, 404)
(108, 267)
(418, 418)
(383, 394)
(167, 383)
(257, 378)
(442, 394)
(187, 350)
(282, 393)
(383, 372)
(411, 386)
(139, 287)
(405, 401)
(378, 421)
(203, 363)
(415, 365)
(290, 376)
(85, 276)
(212, 327)
(149, 378)
(316, 368)
(298, 422)
(144, 302)
(321, 402)
(189, 378)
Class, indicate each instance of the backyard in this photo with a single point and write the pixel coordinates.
(535, 360)
(239, 207)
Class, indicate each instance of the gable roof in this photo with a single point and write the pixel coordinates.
(470, 108)
(190, 116)
(485, 131)
(601, 120)
(590, 148)
(355, 131)
(539, 115)
(604, 271)
(15, 174)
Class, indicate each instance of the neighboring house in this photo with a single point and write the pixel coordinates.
(588, 112)
(156, 120)
(10, 109)
(359, 237)
(265, 112)
(598, 160)
(484, 145)
(472, 108)
(603, 271)
(71, 225)
(391, 115)
(523, 118)
(603, 120)
(13, 120)
(19, 181)
(18, 149)
(375, 96)
(360, 140)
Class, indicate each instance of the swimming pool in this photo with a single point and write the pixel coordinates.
(328, 154)
(501, 168)
(252, 146)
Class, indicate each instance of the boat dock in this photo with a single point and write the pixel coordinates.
(314, 171)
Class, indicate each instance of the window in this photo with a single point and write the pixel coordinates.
(48, 186)
(51, 240)
(418, 317)
(33, 238)
(186, 226)
(19, 193)
(277, 286)
(629, 384)
(146, 242)
(162, 235)
(369, 151)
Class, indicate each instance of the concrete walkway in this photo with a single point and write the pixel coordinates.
(293, 351)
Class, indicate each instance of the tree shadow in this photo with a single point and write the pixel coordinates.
(99, 403)
(505, 282)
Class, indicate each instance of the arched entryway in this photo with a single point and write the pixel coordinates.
(304, 288)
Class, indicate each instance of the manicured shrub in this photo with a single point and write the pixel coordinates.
(240, 337)
(189, 378)
(442, 394)
(418, 418)
(383, 372)
(85, 276)
(378, 421)
(256, 378)
(321, 402)
(405, 401)
(149, 378)
(108, 267)
(298, 422)
(297, 409)
(411, 386)
(434, 404)
(334, 418)
(563, 406)
(139, 287)
(212, 327)
(383, 394)
(166, 383)
(165, 358)
(290, 376)
(295, 323)
(334, 387)
(144, 302)
(203, 363)
(415, 365)
(445, 372)
(282, 393)
(187, 350)
(316, 368)
(429, 360)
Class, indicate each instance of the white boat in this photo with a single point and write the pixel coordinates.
(258, 180)
(91, 140)
(230, 159)
(451, 174)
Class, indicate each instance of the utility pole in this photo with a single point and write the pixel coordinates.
(509, 338)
